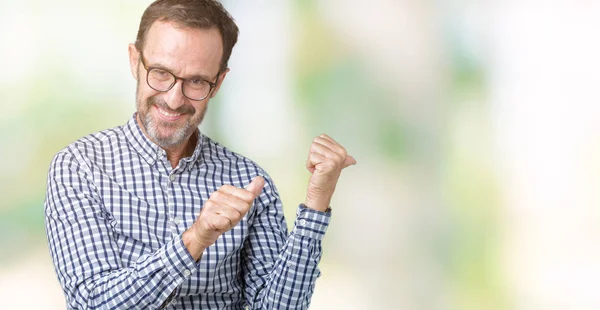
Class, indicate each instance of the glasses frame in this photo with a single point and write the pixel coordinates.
(148, 69)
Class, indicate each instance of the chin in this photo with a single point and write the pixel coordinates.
(173, 138)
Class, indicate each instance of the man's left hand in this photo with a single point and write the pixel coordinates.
(326, 159)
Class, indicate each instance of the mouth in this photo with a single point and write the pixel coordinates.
(167, 115)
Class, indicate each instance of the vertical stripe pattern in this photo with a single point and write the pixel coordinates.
(115, 211)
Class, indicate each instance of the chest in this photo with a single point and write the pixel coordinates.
(147, 208)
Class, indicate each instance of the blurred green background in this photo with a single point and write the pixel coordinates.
(475, 127)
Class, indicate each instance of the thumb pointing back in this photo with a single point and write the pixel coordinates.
(256, 186)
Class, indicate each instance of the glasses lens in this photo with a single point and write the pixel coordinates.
(160, 80)
(196, 89)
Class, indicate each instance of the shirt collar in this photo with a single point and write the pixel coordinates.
(149, 150)
(196, 157)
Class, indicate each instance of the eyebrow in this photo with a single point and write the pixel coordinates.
(163, 67)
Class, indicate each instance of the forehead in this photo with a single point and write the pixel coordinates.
(186, 51)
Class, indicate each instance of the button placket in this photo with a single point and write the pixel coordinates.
(173, 219)
(174, 226)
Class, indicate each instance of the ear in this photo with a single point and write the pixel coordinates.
(134, 59)
(219, 82)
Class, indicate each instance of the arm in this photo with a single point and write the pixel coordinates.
(285, 279)
(85, 257)
(280, 271)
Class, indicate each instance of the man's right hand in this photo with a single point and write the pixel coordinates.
(221, 212)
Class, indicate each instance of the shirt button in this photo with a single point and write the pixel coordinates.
(172, 177)
(302, 222)
(176, 220)
(187, 273)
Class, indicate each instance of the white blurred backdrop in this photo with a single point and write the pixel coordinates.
(476, 125)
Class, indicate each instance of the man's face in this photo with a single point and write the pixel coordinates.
(169, 118)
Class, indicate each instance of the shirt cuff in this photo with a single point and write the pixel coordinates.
(311, 223)
(178, 260)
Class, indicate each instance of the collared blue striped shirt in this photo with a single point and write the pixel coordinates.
(115, 210)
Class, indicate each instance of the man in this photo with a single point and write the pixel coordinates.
(154, 214)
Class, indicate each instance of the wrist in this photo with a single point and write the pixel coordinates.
(318, 205)
(192, 244)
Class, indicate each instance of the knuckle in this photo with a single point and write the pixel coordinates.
(216, 195)
(225, 187)
(236, 214)
(248, 197)
(220, 221)
(241, 213)
(208, 205)
(216, 223)
(330, 164)
(211, 207)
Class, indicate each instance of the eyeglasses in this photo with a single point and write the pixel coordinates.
(162, 80)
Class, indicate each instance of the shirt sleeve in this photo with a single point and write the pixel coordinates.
(85, 256)
(280, 270)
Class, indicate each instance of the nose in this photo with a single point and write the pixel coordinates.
(174, 97)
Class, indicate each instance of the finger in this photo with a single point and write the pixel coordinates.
(256, 186)
(328, 138)
(219, 223)
(350, 160)
(213, 214)
(320, 141)
(309, 164)
(331, 144)
(228, 201)
(241, 193)
(232, 215)
(314, 159)
(324, 150)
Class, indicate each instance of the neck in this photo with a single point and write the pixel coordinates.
(185, 149)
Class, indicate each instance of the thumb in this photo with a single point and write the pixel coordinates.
(256, 186)
(349, 161)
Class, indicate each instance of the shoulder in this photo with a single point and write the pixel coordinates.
(216, 154)
(98, 142)
(91, 148)
(226, 162)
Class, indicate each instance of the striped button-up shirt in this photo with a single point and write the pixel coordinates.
(115, 210)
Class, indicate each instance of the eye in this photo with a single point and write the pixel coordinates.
(196, 81)
(160, 72)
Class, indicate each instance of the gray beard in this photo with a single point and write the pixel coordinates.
(180, 135)
(177, 138)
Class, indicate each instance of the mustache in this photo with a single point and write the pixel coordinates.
(184, 109)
